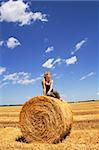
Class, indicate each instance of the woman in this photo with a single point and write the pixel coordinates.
(47, 85)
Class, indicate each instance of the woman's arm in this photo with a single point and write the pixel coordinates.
(44, 87)
(51, 87)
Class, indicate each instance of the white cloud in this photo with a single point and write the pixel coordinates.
(39, 16)
(49, 49)
(23, 78)
(58, 60)
(19, 11)
(12, 42)
(26, 81)
(90, 74)
(3, 84)
(73, 52)
(87, 75)
(2, 70)
(48, 63)
(71, 60)
(58, 76)
(79, 45)
(97, 93)
(19, 77)
(1, 43)
(11, 77)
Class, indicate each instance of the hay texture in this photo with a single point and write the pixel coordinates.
(45, 119)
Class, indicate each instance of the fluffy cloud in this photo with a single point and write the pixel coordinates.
(18, 77)
(71, 60)
(87, 75)
(12, 42)
(19, 11)
(11, 77)
(58, 60)
(2, 70)
(79, 45)
(1, 43)
(49, 49)
(48, 63)
(23, 78)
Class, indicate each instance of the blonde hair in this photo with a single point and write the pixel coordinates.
(46, 73)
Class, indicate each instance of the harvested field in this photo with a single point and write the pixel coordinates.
(84, 134)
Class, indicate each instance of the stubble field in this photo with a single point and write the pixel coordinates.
(84, 134)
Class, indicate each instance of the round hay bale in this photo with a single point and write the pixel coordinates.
(45, 119)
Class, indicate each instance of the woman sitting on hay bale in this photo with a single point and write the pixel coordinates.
(47, 85)
(45, 119)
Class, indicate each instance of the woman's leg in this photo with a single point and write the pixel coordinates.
(57, 95)
(54, 94)
(51, 94)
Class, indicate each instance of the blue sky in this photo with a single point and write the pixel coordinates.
(61, 37)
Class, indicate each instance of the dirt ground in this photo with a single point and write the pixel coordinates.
(84, 133)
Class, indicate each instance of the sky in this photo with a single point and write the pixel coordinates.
(56, 36)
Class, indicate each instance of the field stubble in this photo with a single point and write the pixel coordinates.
(84, 134)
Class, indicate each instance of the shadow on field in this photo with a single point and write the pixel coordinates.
(60, 140)
(21, 139)
(62, 137)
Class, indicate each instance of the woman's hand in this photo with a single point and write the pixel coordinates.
(48, 93)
